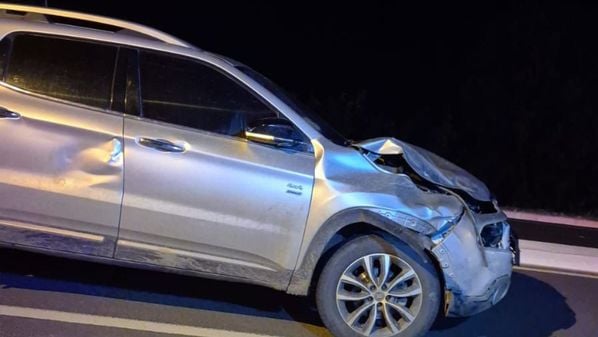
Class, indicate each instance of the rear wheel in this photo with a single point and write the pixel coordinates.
(378, 288)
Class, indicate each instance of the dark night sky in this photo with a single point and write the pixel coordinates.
(507, 91)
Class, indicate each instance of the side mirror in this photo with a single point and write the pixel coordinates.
(274, 131)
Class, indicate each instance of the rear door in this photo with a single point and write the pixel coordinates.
(61, 166)
(198, 195)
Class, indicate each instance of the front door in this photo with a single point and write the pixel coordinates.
(61, 168)
(198, 195)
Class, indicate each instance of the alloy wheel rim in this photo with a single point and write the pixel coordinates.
(379, 295)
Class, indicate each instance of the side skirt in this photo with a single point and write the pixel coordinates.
(277, 280)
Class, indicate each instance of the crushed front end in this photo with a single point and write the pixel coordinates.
(476, 260)
(475, 250)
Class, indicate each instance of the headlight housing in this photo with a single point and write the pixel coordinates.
(495, 235)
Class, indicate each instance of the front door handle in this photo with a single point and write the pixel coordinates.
(161, 145)
(7, 114)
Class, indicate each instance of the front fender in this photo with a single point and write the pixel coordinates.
(303, 274)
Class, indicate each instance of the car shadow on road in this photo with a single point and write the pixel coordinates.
(19, 269)
(532, 308)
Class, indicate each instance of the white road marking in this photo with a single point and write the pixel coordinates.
(121, 323)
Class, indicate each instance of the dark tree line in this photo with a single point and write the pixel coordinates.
(517, 104)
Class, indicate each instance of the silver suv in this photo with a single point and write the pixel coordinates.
(122, 144)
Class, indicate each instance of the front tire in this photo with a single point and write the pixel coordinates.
(377, 288)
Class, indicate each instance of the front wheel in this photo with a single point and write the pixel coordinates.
(373, 287)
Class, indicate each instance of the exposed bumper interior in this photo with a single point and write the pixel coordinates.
(477, 270)
(459, 305)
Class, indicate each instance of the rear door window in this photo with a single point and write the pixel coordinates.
(70, 70)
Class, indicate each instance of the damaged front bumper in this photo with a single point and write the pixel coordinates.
(477, 272)
(459, 305)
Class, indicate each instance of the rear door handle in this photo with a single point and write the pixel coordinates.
(7, 114)
(161, 145)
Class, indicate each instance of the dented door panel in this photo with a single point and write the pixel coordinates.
(61, 175)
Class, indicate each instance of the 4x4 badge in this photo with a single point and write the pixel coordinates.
(294, 189)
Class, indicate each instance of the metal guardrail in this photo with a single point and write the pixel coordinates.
(554, 219)
(556, 243)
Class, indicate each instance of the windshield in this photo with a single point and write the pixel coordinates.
(309, 116)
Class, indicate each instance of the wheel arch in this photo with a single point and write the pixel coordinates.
(342, 227)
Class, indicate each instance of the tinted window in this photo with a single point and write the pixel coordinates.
(188, 93)
(4, 51)
(71, 70)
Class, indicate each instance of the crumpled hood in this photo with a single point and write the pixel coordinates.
(429, 166)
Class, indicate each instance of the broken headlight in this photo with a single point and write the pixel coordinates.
(492, 235)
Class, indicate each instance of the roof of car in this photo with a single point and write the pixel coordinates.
(58, 16)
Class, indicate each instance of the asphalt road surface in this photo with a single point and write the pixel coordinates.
(45, 296)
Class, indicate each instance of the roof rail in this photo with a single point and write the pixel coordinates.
(35, 13)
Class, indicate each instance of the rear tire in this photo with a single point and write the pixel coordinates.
(379, 288)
